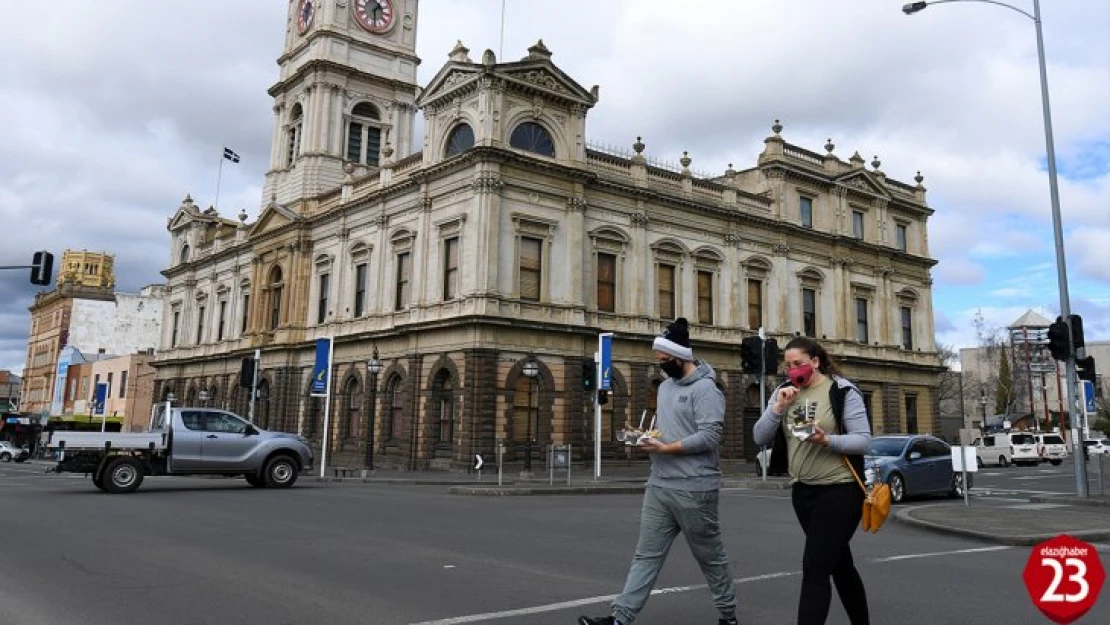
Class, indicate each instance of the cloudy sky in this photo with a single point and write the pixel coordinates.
(118, 108)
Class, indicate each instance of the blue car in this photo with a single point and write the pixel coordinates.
(914, 464)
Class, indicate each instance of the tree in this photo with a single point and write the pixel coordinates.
(1004, 392)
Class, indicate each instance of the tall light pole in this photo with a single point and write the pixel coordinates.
(374, 366)
(983, 404)
(1074, 408)
(531, 370)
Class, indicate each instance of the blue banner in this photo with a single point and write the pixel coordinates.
(101, 398)
(1089, 397)
(320, 369)
(605, 353)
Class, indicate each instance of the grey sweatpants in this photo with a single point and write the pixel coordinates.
(665, 513)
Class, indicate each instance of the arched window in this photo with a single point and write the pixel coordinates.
(364, 135)
(293, 134)
(276, 287)
(396, 421)
(184, 253)
(352, 398)
(460, 140)
(524, 410)
(445, 406)
(532, 137)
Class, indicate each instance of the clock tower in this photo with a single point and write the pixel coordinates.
(346, 90)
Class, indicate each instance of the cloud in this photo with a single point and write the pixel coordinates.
(115, 115)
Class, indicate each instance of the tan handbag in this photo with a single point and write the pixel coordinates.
(876, 502)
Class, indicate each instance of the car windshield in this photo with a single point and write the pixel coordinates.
(886, 447)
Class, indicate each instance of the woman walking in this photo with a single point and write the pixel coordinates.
(818, 424)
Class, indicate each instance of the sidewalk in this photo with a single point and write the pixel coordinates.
(1013, 521)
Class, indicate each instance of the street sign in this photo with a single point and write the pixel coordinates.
(605, 349)
(478, 464)
(1064, 576)
(1089, 397)
(965, 461)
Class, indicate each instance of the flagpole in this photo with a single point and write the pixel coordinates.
(327, 412)
(501, 48)
(219, 174)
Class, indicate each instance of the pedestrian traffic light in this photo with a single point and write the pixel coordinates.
(589, 375)
(1085, 367)
(42, 268)
(770, 356)
(1059, 343)
(751, 354)
(602, 397)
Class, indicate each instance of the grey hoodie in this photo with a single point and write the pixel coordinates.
(691, 410)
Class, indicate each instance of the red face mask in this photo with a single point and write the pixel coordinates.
(799, 376)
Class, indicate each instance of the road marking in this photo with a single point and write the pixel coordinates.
(934, 554)
(575, 603)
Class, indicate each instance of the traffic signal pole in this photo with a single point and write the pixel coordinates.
(763, 393)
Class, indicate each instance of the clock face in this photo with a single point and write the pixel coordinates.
(305, 15)
(375, 16)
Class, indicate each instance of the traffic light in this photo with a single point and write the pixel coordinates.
(42, 268)
(750, 356)
(1059, 343)
(771, 356)
(589, 375)
(1085, 367)
(1076, 331)
(602, 397)
(246, 373)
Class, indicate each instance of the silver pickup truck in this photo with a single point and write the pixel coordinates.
(183, 441)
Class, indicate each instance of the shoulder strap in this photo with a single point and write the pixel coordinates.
(854, 474)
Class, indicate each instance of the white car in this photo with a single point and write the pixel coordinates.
(1098, 446)
(1051, 448)
(9, 451)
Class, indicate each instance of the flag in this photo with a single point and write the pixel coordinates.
(321, 373)
(231, 156)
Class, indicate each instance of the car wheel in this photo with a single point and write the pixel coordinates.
(897, 488)
(5, 457)
(1055, 463)
(255, 480)
(979, 461)
(281, 472)
(957, 489)
(1003, 462)
(123, 475)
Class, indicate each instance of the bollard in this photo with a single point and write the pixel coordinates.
(550, 465)
(500, 455)
(569, 458)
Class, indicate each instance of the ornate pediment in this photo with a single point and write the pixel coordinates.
(864, 182)
(273, 217)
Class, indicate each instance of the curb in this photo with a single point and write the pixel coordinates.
(502, 491)
(1070, 500)
(1019, 540)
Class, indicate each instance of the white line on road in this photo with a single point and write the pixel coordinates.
(911, 556)
(565, 605)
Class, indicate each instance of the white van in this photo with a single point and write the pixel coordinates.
(1004, 448)
(1051, 448)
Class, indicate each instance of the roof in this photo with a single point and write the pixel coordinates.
(1031, 320)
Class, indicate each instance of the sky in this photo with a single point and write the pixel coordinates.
(117, 109)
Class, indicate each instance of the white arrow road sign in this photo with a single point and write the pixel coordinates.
(479, 463)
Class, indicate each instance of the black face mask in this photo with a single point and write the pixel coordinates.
(673, 368)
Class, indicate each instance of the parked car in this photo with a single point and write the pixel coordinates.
(9, 451)
(1051, 448)
(914, 464)
(1098, 446)
(1003, 448)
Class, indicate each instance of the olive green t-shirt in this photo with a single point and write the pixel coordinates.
(810, 463)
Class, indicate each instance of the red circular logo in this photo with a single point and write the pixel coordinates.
(1064, 577)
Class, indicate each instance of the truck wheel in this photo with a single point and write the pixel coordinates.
(281, 472)
(123, 475)
(255, 481)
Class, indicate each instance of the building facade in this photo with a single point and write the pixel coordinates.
(85, 314)
(508, 239)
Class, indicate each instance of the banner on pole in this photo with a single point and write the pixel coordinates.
(321, 370)
(100, 398)
(605, 351)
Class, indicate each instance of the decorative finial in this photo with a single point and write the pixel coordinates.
(243, 215)
(348, 167)
(387, 151)
(776, 127)
(459, 53)
(639, 145)
(188, 199)
(830, 146)
(919, 178)
(730, 172)
(685, 160)
(489, 59)
(539, 51)
(876, 162)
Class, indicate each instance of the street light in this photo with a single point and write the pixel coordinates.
(983, 404)
(1057, 227)
(531, 370)
(374, 366)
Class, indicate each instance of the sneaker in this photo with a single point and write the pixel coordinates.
(598, 620)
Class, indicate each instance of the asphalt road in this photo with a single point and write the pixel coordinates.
(185, 550)
(1042, 479)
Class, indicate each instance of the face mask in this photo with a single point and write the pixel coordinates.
(672, 368)
(799, 376)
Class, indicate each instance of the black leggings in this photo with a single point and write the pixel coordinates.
(829, 515)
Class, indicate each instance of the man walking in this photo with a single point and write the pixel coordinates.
(682, 491)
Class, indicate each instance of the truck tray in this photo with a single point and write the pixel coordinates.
(72, 441)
